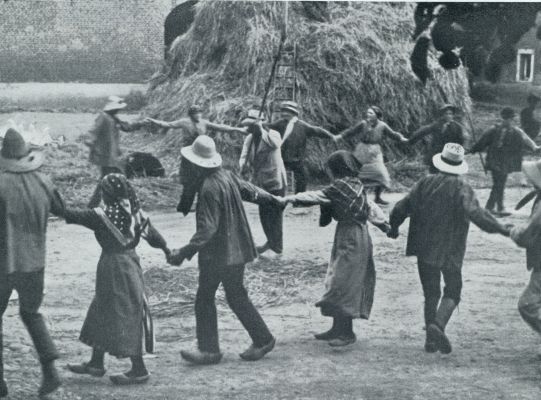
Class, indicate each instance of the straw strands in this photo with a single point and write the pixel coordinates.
(359, 58)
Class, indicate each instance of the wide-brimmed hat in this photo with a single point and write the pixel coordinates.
(16, 156)
(448, 106)
(251, 118)
(507, 113)
(114, 103)
(532, 171)
(202, 153)
(290, 106)
(451, 159)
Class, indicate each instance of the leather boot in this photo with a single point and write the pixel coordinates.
(430, 309)
(330, 334)
(436, 331)
(51, 380)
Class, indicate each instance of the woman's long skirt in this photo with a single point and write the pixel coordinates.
(114, 322)
(351, 276)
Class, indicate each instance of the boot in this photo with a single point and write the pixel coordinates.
(430, 309)
(51, 380)
(330, 334)
(345, 334)
(436, 331)
(201, 357)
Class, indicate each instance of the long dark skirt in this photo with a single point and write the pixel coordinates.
(351, 277)
(114, 322)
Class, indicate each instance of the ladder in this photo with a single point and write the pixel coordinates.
(285, 80)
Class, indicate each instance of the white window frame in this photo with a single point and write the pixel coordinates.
(532, 64)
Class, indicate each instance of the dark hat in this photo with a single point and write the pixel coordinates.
(194, 110)
(532, 98)
(16, 156)
(507, 113)
(446, 107)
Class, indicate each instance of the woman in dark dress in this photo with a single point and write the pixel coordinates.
(351, 275)
(114, 322)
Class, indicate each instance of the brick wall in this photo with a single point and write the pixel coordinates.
(81, 40)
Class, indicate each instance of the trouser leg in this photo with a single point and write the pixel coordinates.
(5, 293)
(299, 173)
(237, 298)
(502, 179)
(492, 198)
(451, 296)
(272, 222)
(529, 304)
(205, 309)
(430, 280)
(30, 289)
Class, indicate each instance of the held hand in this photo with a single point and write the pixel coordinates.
(507, 230)
(280, 201)
(514, 234)
(175, 257)
(393, 233)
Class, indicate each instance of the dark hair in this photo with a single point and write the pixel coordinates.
(377, 111)
(343, 163)
(533, 99)
(194, 110)
(507, 113)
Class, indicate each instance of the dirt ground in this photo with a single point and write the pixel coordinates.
(495, 353)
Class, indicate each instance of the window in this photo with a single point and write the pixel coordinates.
(525, 65)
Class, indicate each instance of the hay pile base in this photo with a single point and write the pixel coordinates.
(269, 282)
(359, 58)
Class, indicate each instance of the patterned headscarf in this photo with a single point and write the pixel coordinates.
(121, 203)
(343, 163)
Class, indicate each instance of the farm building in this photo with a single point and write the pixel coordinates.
(86, 40)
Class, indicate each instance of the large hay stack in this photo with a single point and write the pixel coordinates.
(360, 57)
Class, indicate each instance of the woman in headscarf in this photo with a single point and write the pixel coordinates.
(371, 132)
(114, 322)
(351, 276)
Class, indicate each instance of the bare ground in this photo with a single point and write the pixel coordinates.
(494, 357)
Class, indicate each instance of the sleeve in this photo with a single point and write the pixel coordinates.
(254, 194)
(529, 235)
(94, 133)
(153, 237)
(312, 198)
(224, 128)
(130, 126)
(388, 131)
(354, 130)
(57, 204)
(316, 131)
(524, 117)
(244, 153)
(478, 215)
(403, 208)
(421, 133)
(377, 217)
(87, 218)
(484, 142)
(528, 142)
(207, 222)
(271, 138)
(275, 126)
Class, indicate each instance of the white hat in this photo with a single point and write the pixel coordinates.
(290, 106)
(202, 152)
(114, 103)
(451, 159)
(252, 117)
(532, 170)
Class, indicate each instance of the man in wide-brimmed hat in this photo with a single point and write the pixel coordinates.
(195, 125)
(26, 198)
(528, 236)
(104, 141)
(225, 244)
(440, 207)
(295, 133)
(528, 122)
(261, 154)
(444, 130)
(504, 144)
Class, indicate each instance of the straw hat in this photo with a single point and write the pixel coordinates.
(16, 156)
(114, 103)
(290, 106)
(251, 118)
(532, 170)
(451, 159)
(202, 153)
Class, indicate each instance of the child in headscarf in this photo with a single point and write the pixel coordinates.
(351, 275)
(114, 322)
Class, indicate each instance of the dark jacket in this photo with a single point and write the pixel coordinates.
(441, 133)
(529, 123)
(223, 235)
(504, 148)
(440, 207)
(294, 147)
(529, 236)
(25, 202)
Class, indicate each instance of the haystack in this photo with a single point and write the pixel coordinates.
(359, 58)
